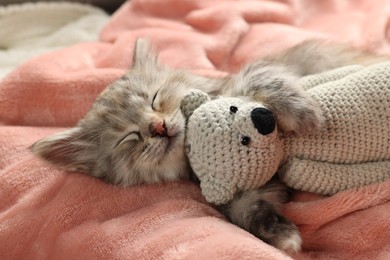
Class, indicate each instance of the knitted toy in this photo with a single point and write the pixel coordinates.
(236, 145)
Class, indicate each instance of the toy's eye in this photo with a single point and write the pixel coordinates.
(233, 109)
(245, 140)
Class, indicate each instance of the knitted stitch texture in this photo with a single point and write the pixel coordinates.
(352, 148)
(213, 138)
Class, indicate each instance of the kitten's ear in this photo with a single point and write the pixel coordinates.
(143, 54)
(69, 150)
(192, 101)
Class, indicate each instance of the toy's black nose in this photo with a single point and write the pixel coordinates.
(264, 120)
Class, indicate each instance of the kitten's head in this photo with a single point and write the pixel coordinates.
(134, 132)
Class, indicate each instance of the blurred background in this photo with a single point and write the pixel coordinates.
(34, 27)
(108, 5)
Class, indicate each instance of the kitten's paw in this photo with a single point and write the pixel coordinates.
(291, 244)
(277, 87)
(276, 230)
(257, 211)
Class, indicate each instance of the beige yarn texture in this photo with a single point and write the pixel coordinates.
(352, 148)
(223, 165)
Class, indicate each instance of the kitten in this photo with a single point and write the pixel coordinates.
(134, 132)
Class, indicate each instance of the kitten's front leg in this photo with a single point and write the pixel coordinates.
(277, 87)
(257, 211)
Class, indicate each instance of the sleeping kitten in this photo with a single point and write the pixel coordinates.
(134, 132)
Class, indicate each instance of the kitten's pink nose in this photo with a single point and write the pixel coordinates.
(158, 129)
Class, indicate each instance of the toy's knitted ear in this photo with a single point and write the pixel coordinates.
(192, 101)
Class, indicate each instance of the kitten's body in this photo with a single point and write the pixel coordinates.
(134, 133)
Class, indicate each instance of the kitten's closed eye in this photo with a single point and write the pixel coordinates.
(154, 105)
(132, 136)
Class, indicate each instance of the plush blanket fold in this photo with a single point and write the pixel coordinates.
(47, 213)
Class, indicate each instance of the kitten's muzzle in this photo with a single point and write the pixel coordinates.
(158, 129)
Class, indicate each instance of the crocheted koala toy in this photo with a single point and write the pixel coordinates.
(236, 144)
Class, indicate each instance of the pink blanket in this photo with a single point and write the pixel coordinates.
(46, 213)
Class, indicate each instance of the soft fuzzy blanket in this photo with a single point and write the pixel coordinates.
(47, 213)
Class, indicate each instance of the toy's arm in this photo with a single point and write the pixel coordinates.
(328, 178)
(316, 80)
